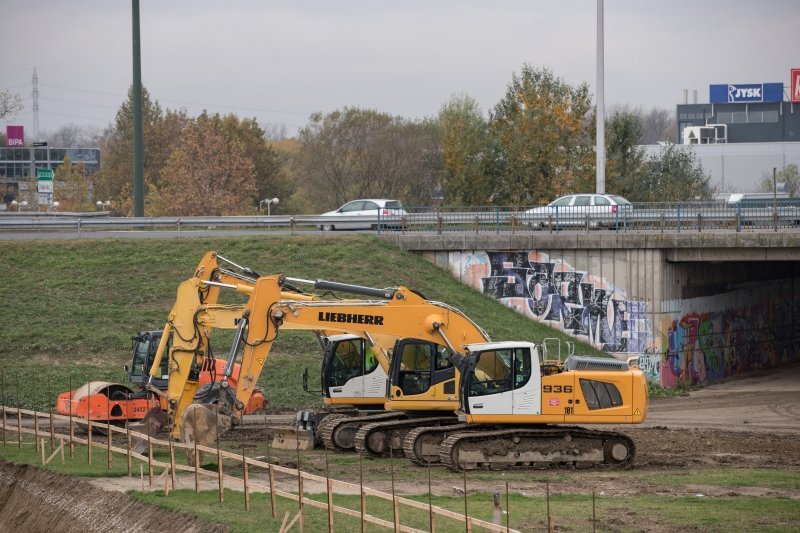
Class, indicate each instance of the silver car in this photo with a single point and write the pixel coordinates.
(591, 210)
(365, 214)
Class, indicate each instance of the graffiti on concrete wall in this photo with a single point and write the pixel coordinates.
(552, 291)
(745, 329)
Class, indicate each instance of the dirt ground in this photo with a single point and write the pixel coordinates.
(752, 422)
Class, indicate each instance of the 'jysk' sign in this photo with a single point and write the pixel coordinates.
(746, 92)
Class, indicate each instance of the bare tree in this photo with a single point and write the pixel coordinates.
(10, 104)
(75, 136)
(274, 132)
(657, 125)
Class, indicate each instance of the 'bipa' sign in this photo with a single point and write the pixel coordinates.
(15, 136)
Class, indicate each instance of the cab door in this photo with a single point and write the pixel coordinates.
(491, 386)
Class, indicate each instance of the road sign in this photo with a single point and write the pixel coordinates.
(44, 186)
(44, 174)
(45, 198)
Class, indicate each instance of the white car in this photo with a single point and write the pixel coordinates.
(369, 211)
(592, 210)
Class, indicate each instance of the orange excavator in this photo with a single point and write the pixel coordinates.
(119, 403)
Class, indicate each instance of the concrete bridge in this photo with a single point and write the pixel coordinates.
(695, 307)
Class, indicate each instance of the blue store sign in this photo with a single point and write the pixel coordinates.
(746, 92)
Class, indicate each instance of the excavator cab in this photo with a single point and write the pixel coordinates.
(351, 373)
(422, 369)
(145, 345)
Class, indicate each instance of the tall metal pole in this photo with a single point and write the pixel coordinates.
(601, 106)
(138, 151)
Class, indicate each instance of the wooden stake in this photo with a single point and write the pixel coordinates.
(508, 507)
(196, 457)
(35, 413)
(172, 464)
(271, 483)
(497, 513)
(219, 458)
(110, 434)
(3, 393)
(19, 419)
(71, 428)
(50, 406)
(361, 491)
(547, 496)
(467, 524)
(244, 476)
(594, 514)
(395, 513)
(431, 525)
(300, 489)
(89, 428)
(42, 447)
(330, 493)
(149, 457)
(130, 462)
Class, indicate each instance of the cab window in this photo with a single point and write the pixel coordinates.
(346, 363)
(415, 368)
(492, 373)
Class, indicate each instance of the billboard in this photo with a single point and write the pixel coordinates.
(15, 136)
(745, 92)
(794, 86)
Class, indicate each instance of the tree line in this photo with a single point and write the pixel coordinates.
(535, 144)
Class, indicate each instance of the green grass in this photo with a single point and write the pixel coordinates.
(568, 512)
(70, 307)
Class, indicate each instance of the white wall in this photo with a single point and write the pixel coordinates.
(739, 167)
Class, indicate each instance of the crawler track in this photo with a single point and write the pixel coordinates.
(384, 438)
(421, 445)
(526, 448)
(338, 433)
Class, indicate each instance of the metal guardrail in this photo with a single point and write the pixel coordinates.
(659, 217)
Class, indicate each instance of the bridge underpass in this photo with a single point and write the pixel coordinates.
(694, 307)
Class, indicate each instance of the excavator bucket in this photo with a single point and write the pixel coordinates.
(153, 422)
(292, 438)
(202, 424)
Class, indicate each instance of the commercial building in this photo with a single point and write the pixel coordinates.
(743, 132)
(19, 165)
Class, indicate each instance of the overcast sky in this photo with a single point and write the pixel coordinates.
(281, 61)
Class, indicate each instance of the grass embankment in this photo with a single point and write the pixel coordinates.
(70, 307)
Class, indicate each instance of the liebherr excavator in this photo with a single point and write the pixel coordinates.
(519, 411)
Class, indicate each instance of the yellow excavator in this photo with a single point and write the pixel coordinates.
(520, 410)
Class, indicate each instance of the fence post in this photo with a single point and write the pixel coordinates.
(35, 413)
(361, 492)
(330, 493)
(467, 524)
(739, 217)
(271, 483)
(3, 394)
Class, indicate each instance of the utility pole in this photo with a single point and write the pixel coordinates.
(601, 110)
(138, 151)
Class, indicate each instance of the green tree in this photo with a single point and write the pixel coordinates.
(270, 176)
(672, 175)
(161, 133)
(465, 147)
(789, 176)
(543, 141)
(624, 156)
(71, 187)
(207, 174)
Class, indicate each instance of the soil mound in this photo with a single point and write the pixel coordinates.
(34, 500)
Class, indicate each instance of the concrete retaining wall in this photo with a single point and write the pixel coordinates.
(694, 310)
